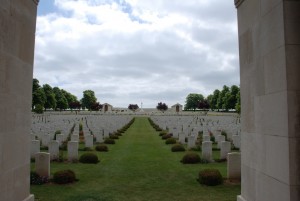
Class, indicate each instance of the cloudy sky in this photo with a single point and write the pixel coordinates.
(133, 51)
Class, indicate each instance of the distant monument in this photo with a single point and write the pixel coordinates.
(141, 110)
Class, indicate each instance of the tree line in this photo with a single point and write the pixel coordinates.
(228, 98)
(45, 98)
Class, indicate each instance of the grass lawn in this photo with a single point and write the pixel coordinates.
(139, 167)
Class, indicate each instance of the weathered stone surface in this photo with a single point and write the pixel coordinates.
(42, 164)
(17, 25)
(207, 150)
(72, 151)
(54, 150)
(225, 149)
(269, 60)
(234, 166)
(34, 148)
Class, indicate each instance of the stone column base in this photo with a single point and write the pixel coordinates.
(240, 198)
(29, 198)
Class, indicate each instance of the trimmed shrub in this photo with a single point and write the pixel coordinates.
(166, 136)
(114, 137)
(191, 158)
(89, 158)
(162, 133)
(39, 109)
(85, 149)
(171, 141)
(109, 141)
(64, 177)
(225, 134)
(221, 160)
(35, 179)
(212, 138)
(177, 148)
(118, 134)
(210, 177)
(102, 148)
(196, 148)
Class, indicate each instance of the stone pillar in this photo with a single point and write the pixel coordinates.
(269, 43)
(17, 35)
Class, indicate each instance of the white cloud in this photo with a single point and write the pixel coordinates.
(129, 51)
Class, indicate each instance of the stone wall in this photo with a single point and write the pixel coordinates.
(269, 38)
(17, 35)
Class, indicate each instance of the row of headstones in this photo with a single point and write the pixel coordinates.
(207, 150)
(190, 124)
(206, 136)
(42, 164)
(212, 121)
(53, 149)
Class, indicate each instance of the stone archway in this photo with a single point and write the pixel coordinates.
(269, 35)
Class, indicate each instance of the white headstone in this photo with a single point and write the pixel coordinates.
(60, 138)
(88, 139)
(35, 148)
(206, 138)
(73, 150)
(236, 141)
(32, 136)
(220, 139)
(207, 150)
(234, 165)
(75, 138)
(42, 164)
(99, 137)
(45, 139)
(182, 138)
(54, 149)
(225, 149)
(191, 141)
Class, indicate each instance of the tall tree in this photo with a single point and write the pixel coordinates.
(133, 107)
(230, 99)
(38, 98)
(203, 104)
(162, 106)
(35, 84)
(222, 98)
(238, 103)
(192, 101)
(214, 100)
(61, 101)
(96, 106)
(70, 97)
(50, 97)
(75, 105)
(88, 99)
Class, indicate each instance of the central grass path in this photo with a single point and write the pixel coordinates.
(139, 167)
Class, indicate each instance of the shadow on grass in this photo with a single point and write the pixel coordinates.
(85, 197)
